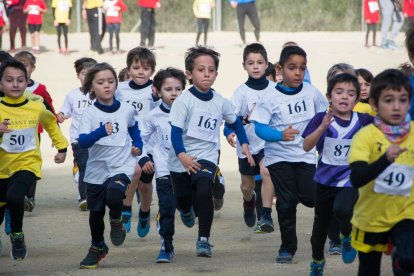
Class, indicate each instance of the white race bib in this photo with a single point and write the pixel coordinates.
(164, 138)
(118, 136)
(397, 179)
(34, 10)
(21, 140)
(373, 7)
(335, 151)
(63, 6)
(204, 8)
(140, 105)
(205, 126)
(112, 12)
(297, 109)
(80, 104)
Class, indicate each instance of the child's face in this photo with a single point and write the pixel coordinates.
(104, 86)
(29, 67)
(293, 71)
(392, 106)
(13, 82)
(255, 65)
(365, 86)
(204, 73)
(140, 73)
(170, 90)
(343, 98)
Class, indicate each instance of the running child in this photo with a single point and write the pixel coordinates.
(382, 168)
(331, 132)
(280, 116)
(195, 119)
(113, 15)
(62, 12)
(73, 107)
(138, 93)
(29, 61)
(168, 84)
(364, 78)
(270, 72)
(106, 129)
(35, 10)
(244, 99)
(20, 148)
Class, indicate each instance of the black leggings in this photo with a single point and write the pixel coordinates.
(13, 191)
(62, 27)
(114, 28)
(250, 10)
(373, 28)
(17, 21)
(114, 200)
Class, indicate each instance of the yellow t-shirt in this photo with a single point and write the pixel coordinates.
(202, 8)
(90, 4)
(376, 211)
(364, 108)
(19, 150)
(61, 10)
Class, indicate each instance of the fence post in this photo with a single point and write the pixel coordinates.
(217, 17)
(78, 16)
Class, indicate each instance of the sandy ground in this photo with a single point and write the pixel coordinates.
(57, 233)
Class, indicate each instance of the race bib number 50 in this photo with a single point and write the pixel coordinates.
(204, 126)
(397, 179)
(19, 140)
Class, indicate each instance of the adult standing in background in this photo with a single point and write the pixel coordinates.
(243, 8)
(93, 13)
(148, 22)
(391, 12)
(17, 19)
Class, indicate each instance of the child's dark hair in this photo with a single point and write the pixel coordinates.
(344, 78)
(13, 63)
(389, 79)
(339, 67)
(406, 68)
(270, 70)
(254, 48)
(409, 42)
(170, 72)
(195, 52)
(365, 74)
(290, 51)
(26, 55)
(90, 75)
(83, 63)
(143, 55)
(4, 56)
(123, 75)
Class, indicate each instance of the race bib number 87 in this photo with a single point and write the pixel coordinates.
(335, 151)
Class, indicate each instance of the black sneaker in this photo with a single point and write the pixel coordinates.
(29, 204)
(94, 256)
(118, 231)
(18, 251)
(250, 211)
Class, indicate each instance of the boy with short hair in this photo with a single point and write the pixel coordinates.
(29, 61)
(195, 119)
(20, 149)
(244, 99)
(382, 166)
(331, 132)
(73, 107)
(138, 92)
(279, 117)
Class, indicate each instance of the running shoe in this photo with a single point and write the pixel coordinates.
(348, 252)
(83, 205)
(188, 218)
(249, 211)
(334, 249)
(143, 226)
(126, 218)
(94, 256)
(316, 268)
(203, 248)
(164, 256)
(29, 204)
(265, 225)
(18, 251)
(284, 258)
(118, 232)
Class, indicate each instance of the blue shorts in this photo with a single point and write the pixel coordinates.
(96, 194)
(246, 169)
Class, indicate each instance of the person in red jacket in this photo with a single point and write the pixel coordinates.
(148, 21)
(408, 10)
(17, 20)
(35, 10)
(29, 61)
(113, 11)
(372, 17)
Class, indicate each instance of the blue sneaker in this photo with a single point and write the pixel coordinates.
(334, 249)
(284, 258)
(164, 257)
(143, 226)
(348, 252)
(203, 248)
(126, 218)
(316, 268)
(265, 225)
(249, 211)
(188, 218)
(7, 220)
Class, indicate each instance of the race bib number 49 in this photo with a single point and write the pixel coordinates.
(21, 140)
(397, 179)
